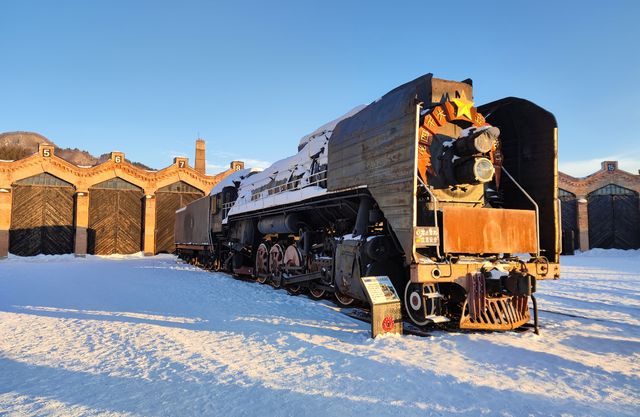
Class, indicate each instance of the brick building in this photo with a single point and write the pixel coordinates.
(48, 205)
(601, 210)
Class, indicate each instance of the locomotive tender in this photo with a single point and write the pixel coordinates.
(456, 204)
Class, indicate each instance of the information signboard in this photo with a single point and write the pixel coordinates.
(386, 313)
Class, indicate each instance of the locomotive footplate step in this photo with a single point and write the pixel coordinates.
(296, 279)
(438, 319)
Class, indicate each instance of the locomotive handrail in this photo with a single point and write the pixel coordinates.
(286, 184)
(534, 205)
(435, 211)
(226, 207)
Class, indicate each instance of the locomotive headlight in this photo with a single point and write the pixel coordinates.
(474, 171)
(483, 170)
(483, 143)
(475, 143)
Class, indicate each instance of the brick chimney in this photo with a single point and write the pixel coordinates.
(200, 161)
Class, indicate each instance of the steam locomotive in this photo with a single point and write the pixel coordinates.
(456, 204)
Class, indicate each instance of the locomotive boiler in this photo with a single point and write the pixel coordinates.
(455, 203)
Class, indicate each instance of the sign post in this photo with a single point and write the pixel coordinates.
(386, 313)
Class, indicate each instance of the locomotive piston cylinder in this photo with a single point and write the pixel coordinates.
(283, 223)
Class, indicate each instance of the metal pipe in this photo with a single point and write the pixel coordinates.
(535, 314)
(534, 204)
(435, 211)
(362, 219)
(306, 242)
(559, 226)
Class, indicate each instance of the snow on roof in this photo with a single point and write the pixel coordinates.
(274, 200)
(232, 178)
(317, 141)
(328, 127)
(312, 147)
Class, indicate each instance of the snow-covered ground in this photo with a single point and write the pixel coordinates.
(152, 337)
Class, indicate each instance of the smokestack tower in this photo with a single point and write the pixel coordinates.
(200, 161)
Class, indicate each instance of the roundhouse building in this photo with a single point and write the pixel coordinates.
(50, 206)
(601, 210)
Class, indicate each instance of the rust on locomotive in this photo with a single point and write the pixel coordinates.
(482, 230)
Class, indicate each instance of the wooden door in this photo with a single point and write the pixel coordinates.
(614, 218)
(168, 200)
(42, 216)
(115, 218)
(626, 221)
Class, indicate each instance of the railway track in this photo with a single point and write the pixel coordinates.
(363, 313)
(577, 316)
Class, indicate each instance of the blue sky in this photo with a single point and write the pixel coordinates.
(251, 78)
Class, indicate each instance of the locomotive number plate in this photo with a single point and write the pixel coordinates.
(424, 236)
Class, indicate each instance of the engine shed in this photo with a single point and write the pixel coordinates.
(50, 206)
(601, 210)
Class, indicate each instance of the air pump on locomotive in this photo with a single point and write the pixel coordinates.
(456, 204)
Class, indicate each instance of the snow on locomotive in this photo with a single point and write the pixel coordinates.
(456, 204)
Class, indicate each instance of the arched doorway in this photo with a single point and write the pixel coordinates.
(614, 218)
(41, 216)
(115, 218)
(169, 199)
(570, 234)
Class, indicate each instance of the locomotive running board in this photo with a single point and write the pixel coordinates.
(297, 279)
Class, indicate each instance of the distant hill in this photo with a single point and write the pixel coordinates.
(18, 145)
